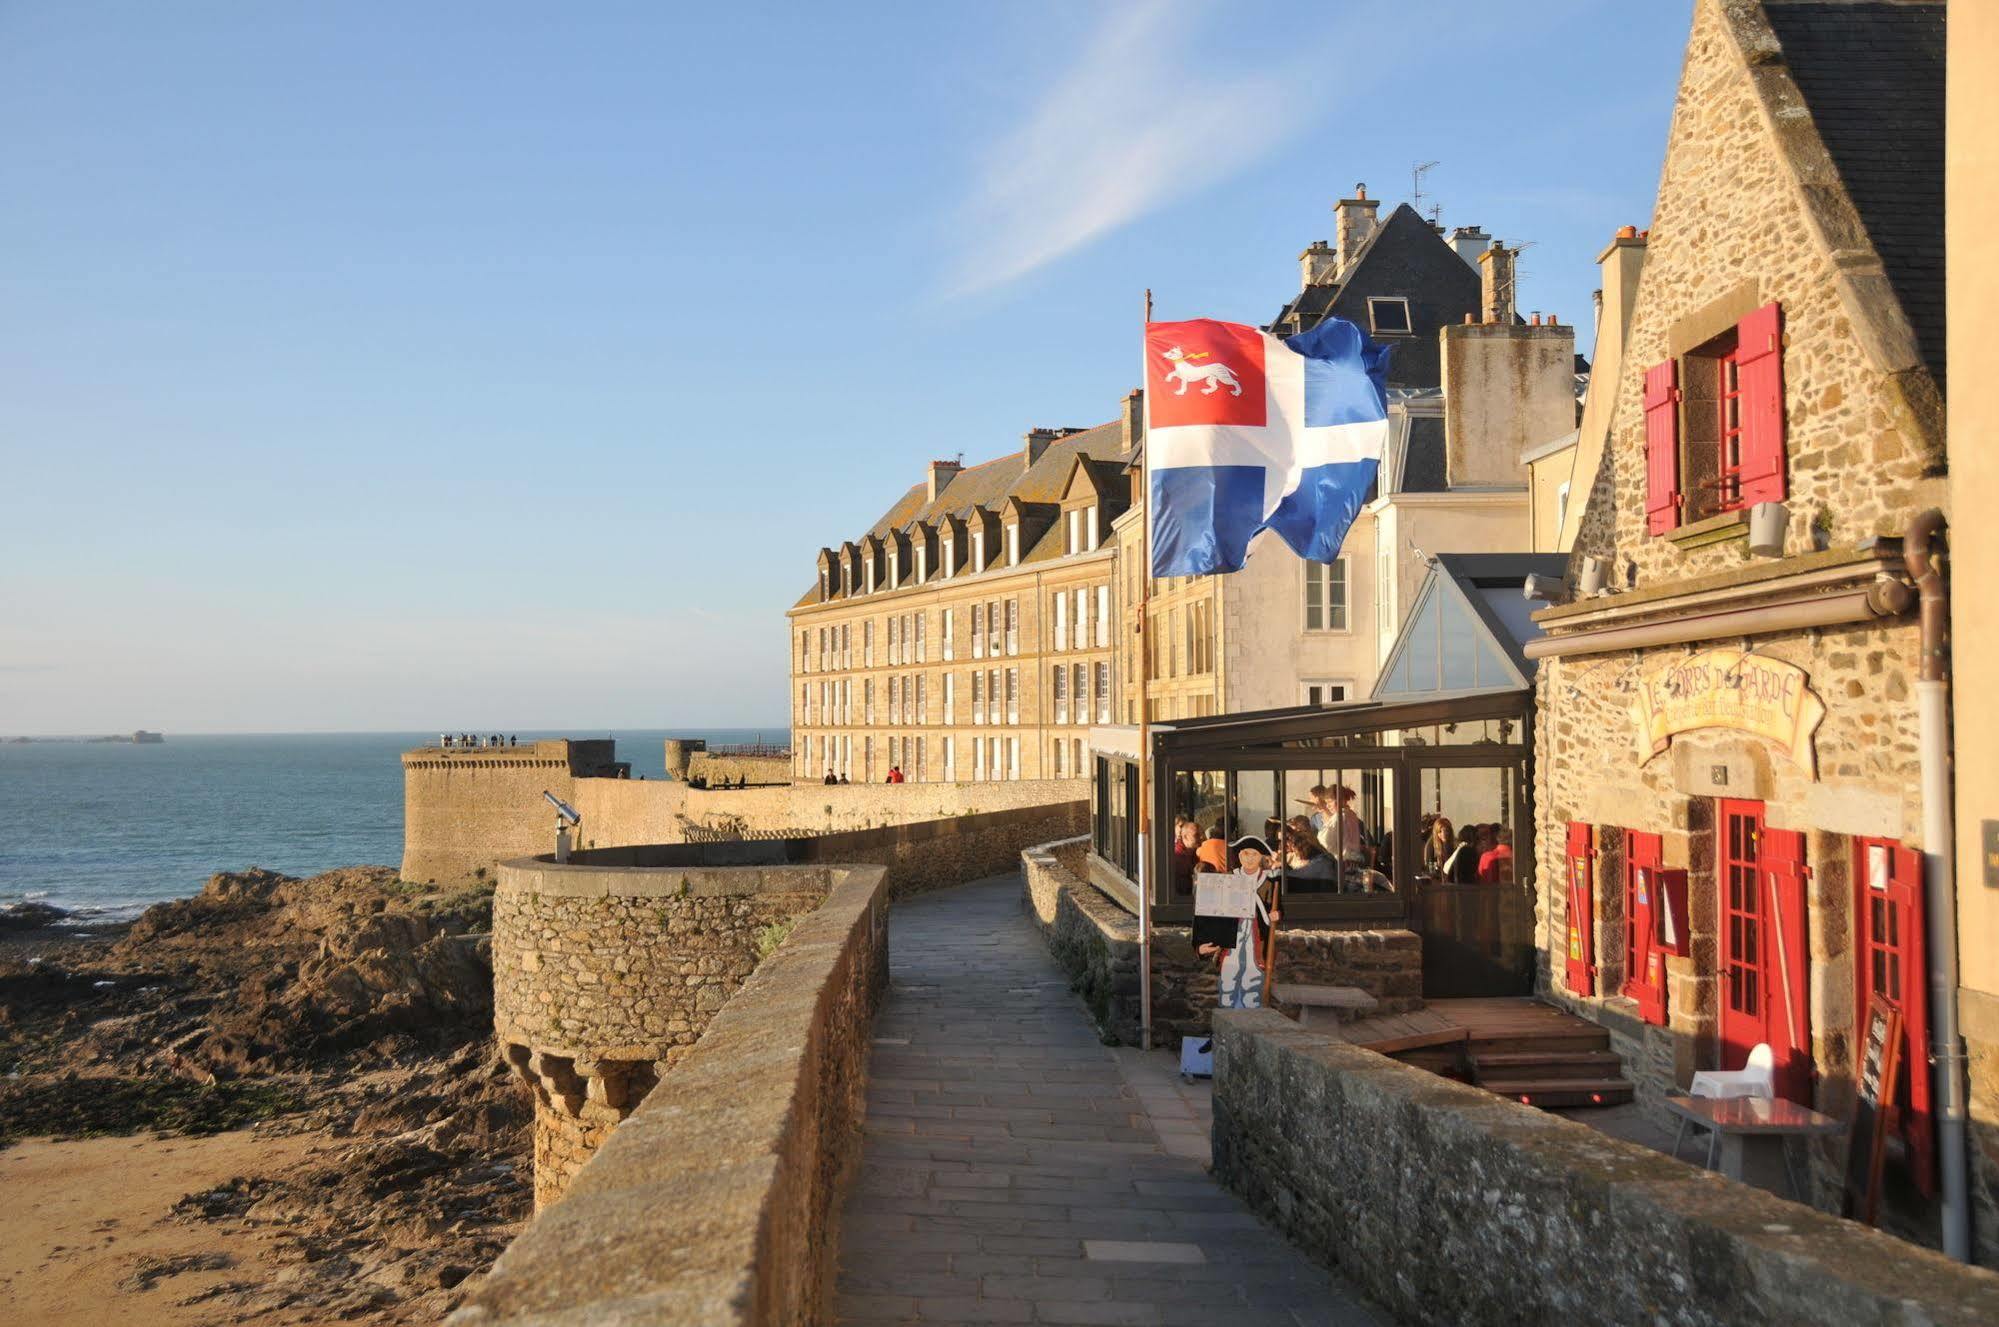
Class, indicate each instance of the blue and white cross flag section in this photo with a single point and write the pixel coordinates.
(1245, 432)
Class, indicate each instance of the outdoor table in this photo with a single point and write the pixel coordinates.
(1732, 1121)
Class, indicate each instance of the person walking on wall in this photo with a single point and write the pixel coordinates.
(829, 779)
(895, 774)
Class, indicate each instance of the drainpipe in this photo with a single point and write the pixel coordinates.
(1923, 556)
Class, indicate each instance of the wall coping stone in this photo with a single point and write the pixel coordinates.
(698, 1208)
(580, 878)
(1598, 1224)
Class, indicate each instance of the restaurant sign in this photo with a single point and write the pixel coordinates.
(1748, 693)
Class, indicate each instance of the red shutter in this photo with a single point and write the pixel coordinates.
(1759, 359)
(1673, 890)
(1644, 960)
(1920, 1127)
(1787, 1013)
(1662, 447)
(1582, 910)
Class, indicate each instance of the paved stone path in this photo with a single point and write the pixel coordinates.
(1013, 1171)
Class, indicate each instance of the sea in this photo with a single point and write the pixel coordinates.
(104, 830)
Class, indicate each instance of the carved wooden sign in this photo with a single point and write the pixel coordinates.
(1748, 693)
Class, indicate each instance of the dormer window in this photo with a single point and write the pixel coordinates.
(1072, 534)
(950, 556)
(978, 550)
(825, 585)
(922, 564)
(871, 574)
(1013, 544)
(1388, 315)
(1091, 522)
(894, 568)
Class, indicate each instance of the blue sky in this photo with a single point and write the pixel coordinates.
(498, 365)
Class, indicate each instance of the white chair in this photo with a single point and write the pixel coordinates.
(1756, 1078)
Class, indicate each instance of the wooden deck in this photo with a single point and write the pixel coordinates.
(1513, 1046)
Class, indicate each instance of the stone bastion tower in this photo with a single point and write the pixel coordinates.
(606, 972)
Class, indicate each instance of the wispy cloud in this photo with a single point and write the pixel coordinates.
(1137, 120)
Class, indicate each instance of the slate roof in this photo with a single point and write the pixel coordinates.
(1872, 74)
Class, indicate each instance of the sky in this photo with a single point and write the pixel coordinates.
(371, 367)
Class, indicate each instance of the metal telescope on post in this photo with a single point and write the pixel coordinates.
(566, 819)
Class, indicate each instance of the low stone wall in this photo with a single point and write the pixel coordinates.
(1521, 1216)
(931, 854)
(752, 770)
(714, 1202)
(604, 977)
(1096, 942)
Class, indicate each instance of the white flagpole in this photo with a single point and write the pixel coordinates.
(1145, 720)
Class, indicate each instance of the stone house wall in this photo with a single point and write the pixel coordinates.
(1522, 1216)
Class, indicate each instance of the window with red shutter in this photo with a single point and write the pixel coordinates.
(1888, 907)
(1582, 910)
(1758, 365)
(1662, 448)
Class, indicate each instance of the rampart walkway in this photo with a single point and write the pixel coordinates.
(1012, 1174)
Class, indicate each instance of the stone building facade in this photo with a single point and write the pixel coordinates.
(967, 637)
(1727, 762)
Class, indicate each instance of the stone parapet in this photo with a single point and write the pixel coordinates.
(1096, 942)
(1360, 1160)
(713, 1202)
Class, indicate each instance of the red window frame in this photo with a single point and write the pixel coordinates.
(1765, 954)
(1582, 909)
(1728, 430)
(1891, 958)
(1644, 905)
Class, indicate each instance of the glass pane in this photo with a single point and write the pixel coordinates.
(1200, 813)
(1339, 831)
(1255, 805)
(1467, 825)
(1462, 635)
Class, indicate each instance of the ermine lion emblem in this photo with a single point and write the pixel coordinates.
(1187, 373)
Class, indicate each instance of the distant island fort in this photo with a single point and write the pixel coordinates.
(139, 738)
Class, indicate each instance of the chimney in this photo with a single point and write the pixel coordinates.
(942, 473)
(1469, 242)
(1620, 263)
(1319, 265)
(1037, 440)
(1495, 270)
(1133, 422)
(1353, 222)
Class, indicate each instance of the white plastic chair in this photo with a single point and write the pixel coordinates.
(1756, 1078)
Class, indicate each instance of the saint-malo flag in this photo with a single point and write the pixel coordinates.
(1245, 433)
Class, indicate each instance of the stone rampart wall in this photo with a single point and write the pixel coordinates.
(1096, 942)
(714, 1203)
(603, 978)
(1521, 1216)
(466, 811)
(751, 769)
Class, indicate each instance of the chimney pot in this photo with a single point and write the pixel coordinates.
(1627, 232)
(1360, 191)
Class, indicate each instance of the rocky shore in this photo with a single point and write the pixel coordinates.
(337, 1031)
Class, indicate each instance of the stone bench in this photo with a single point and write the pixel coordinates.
(1308, 998)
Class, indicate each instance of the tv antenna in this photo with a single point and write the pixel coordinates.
(1416, 174)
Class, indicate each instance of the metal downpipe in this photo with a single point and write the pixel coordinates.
(1923, 557)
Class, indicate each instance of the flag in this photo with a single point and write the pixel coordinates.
(1245, 432)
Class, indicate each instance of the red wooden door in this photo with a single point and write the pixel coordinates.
(1582, 910)
(1889, 912)
(1764, 953)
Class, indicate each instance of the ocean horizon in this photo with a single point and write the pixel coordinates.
(104, 830)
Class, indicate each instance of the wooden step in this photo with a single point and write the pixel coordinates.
(1554, 1039)
(1547, 1064)
(1561, 1091)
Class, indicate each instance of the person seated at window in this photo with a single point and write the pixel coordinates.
(829, 780)
(1437, 845)
(1461, 867)
(1495, 865)
(1214, 850)
(1341, 835)
(1186, 846)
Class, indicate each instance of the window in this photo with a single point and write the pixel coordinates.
(868, 698)
(1326, 595)
(868, 642)
(1013, 695)
(1644, 907)
(922, 561)
(1076, 765)
(950, 701)
(1103, 608)
(920, 619)
(1013, 626)
(950, 557)
(978, 696)
(1013, 757)
(1082, 618)
(1888, 907)
(1072, 540)
(1388, 315)
(1169, 639)
(1104, 692)
(978, 760)
(978, 631)
(950, 755)
(871, 573)
(867, 760)
(1714, 425)
(894, 568)
(805, 702)
(846, 700)
(1058, 757)
(1324, 692)
(846, 645)
(895, 700)
(921, 770)
(1061, 680)
(946, 635)
(1061, 620)
(805, 651)
(993, 629)
(993, 711)
(1093, 535)
(1081, 675)
(1013, 544)
(894, 641)
(978, 550)
(922, 698)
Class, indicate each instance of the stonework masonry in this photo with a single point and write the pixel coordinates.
(464, 810)
(714, 1202)
(1096, 942)
(1522, 1216)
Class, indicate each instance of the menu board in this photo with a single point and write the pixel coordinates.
(1874, 1098)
